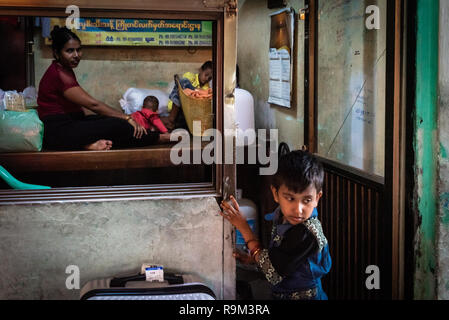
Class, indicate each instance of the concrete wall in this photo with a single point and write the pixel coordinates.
(38, 242)
(443, 160)
(252, 58)
(431, 198)
(431, 149)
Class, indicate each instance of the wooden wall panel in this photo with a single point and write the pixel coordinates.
(358, 231)
(12, 54)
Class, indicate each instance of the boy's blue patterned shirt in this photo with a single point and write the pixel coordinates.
(305, 282)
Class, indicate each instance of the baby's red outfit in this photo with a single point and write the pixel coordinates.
(149, 120)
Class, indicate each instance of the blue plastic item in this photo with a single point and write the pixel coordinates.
(16, 184)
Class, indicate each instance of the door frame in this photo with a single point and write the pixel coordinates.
(395, 126)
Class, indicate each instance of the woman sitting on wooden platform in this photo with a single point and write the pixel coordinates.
(60, 101)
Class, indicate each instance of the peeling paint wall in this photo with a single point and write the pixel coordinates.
(252, 58)
(107, 72)
(38, 242)
(443, 161)
(426, 148)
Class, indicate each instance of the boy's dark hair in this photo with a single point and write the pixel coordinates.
(151, 99)
(298, 170)
(207, 65)
(59, 37)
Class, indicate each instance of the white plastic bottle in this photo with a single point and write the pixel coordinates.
(244, 113)
(249, 210)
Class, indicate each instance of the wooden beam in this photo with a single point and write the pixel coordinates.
(148, 157)
(134, 5)
(310, 118)
(393, 140)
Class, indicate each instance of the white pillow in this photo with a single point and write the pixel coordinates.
(132, 100)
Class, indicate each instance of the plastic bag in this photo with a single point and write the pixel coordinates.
(14, 101)
(2, 94)
(133, 99)
(18, 101)
(30, 95)
(20, 131)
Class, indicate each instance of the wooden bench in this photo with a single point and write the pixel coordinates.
(151, 156)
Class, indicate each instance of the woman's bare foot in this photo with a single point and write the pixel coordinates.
(99, 145)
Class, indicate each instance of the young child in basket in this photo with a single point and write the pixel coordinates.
(148, 117)
(193, 81)
(298, 254)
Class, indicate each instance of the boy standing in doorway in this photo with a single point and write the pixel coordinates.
(298, 254)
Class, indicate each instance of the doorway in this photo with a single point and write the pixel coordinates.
(353, 122)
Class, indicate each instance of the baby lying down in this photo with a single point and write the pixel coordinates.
(148, 117)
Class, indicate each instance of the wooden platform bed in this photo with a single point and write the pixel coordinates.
(147, 157)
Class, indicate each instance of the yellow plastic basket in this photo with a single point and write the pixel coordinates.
(196, 110)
